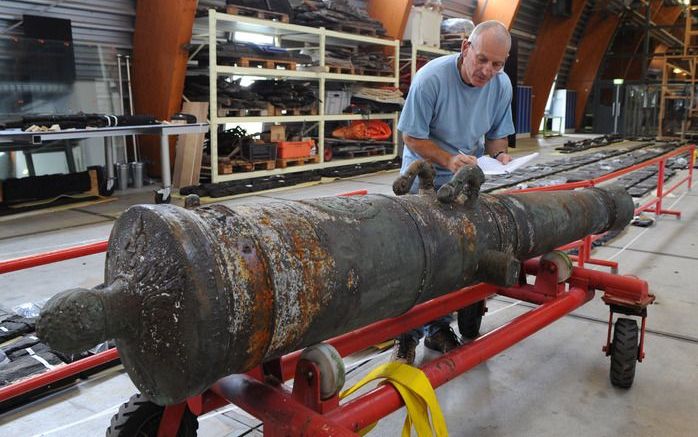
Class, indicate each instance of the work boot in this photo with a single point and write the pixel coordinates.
(404, 349)
(444, 340)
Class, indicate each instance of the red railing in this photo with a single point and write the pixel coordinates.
(655, 205)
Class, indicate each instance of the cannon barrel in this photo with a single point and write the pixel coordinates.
(192, 295)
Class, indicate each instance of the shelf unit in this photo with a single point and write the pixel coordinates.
(218, 23)
(416, 49)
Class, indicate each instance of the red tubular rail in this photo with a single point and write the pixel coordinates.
(654, 205)
(26, 262)
(56, 374)
(378, 332)
(370, 407)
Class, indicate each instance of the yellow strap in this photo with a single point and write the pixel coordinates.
(416, 392)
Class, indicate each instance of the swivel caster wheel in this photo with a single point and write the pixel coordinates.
(562, 262)
(140, 417)
(624, 350)
(331, 365)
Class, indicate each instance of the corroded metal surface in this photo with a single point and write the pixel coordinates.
(193, 295)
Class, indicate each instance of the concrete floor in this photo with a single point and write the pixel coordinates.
(553, 383)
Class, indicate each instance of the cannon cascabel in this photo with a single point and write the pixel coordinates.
(194, 295)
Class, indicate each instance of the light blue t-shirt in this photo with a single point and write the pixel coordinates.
(456, 116)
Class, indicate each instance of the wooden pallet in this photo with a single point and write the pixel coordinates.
(229, 166)
(288, 162)
(256, 13)
(304, 110)
(357, 29)
(369, 72)
(340, 69)
(241, 112)
(272, 64)
(366, 151)
(453, 36)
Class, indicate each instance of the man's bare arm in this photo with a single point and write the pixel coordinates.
(430, 151)
(492, 147)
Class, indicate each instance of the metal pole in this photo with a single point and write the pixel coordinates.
(130, 103)
(121, 97)
(40, 259)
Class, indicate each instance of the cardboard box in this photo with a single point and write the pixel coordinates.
(278, 133)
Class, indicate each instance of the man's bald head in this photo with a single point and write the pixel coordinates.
(491, 29)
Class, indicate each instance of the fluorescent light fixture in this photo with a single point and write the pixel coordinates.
(617, 81)
(255, 38)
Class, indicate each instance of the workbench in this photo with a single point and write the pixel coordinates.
(15, 139)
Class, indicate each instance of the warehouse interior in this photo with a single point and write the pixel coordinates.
(249, 217)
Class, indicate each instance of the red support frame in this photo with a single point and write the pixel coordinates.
(286, 412)
(554, 306)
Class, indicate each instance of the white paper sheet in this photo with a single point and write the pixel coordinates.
(492, 166)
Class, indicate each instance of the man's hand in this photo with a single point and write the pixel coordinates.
(504, 158)
(455, 162)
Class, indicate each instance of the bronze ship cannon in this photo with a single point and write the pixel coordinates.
(193, 295)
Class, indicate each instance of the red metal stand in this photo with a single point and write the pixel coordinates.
(302, 412)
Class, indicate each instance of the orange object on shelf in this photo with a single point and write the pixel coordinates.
(364, 130)
(294, 149)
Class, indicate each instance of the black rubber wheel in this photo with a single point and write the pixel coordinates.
(141, 418)
(470, 319)
(624, 350)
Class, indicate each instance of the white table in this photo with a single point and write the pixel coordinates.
(11, 139)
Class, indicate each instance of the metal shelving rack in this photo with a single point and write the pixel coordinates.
(220, 22)
(416, 49)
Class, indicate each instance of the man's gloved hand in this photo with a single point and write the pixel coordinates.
(455, 162)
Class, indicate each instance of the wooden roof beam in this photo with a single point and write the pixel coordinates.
(551, 43)
(392, 14)
(590, 52)
(163, 28)
(501, 10)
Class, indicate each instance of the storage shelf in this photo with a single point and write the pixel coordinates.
(416, 49)
(347, 117)
(358, 78)
(305, 118)
(299, 74)
(271, 119)
(218, 23)
(268, 72)
(291, 32)
(277, 171)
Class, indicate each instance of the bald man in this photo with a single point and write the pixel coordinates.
(458, 108)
